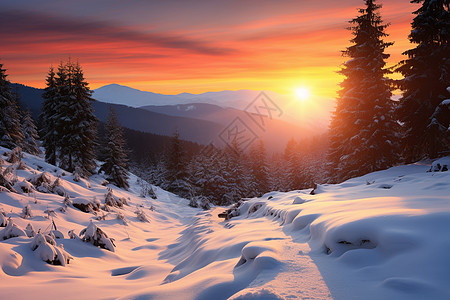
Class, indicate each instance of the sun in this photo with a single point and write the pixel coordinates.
(302, 93)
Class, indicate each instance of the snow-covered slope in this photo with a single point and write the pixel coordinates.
(381, 236)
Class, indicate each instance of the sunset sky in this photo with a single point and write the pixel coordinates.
(189, 45)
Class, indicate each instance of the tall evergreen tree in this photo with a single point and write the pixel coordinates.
(48, 117)
(236, 174)
(176, 166)
(10, 129)
(115, 165)
(69, 121)
(207, 174)
(363, 130)
(176, 159)
(426, 74)
(84, 125)
(29, 130)
(259, 168)
(297, 177)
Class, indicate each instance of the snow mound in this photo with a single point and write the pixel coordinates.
(11, 230)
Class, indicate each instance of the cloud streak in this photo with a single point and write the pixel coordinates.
(46, 28)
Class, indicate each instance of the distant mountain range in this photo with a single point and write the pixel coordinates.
(312, 116)
(119, 94)
(204, 118)
(134, 118)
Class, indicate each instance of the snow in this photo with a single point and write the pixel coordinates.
(380, 236)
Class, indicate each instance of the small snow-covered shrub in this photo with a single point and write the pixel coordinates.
(85, 205)
(76, 175)
(57, 187)
(15, 155)
(97, 237)
(6, 185)
(42, 182)
(73, 235)
(46, 249)
(440, 165)
(233, 211)
(41, 238)
(11, 230)
(21, 166)
(24, 186)
(141, 216)
(146, 189)
(200, 201)
(26, 212)
(111, 200)
(3, 219)
(29, 230)
(67, 201)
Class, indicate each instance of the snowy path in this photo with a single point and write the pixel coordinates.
(381, 236)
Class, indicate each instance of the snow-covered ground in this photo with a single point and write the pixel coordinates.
(381, 236)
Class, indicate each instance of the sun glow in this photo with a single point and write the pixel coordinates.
(302, 93)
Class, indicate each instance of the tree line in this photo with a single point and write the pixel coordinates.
(369, 131)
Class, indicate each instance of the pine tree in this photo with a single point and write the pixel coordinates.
(259, 168)
(176, 163)
(235, 173)
(176, 159)
(10, 131)
(69, 121)
(48, 116)
(297, 176)
(29, 143)
(440, 120)
(206, 173)
(115, 165)
(426, 74)
(84, 125)
(363, 130)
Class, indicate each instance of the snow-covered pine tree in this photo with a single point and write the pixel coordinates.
(259, 168)
(206, 173)
(48, 116)
(115, 165)
(29, 130)
(363, 130)
(175, 159)
(236, 177)
(79, 132)
(297, 177)
(440, 120)
(176, 163)
(426, 74)
(10, 130)
(277, 172)
(73, 121)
